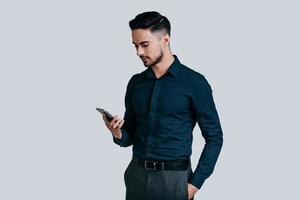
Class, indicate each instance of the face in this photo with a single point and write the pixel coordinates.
(149, 46)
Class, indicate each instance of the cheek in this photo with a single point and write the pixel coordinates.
(153, 51)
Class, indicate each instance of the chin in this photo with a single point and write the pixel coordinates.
(146, 65)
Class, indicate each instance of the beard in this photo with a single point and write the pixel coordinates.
(158, 59)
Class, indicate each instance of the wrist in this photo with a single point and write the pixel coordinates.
(118, 136)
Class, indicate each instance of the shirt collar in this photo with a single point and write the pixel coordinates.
(173, 69)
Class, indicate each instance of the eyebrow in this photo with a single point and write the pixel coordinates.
(141, 42)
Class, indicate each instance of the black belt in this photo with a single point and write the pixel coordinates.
(175, 165)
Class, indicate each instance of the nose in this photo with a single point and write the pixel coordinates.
(139, 51)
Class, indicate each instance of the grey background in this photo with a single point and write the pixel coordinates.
(61, 59)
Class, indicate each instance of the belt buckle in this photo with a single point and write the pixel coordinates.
(149, 168)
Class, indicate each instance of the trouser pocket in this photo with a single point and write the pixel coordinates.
(189, 175)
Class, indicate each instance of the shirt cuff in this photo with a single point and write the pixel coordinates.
(121, 141)
(197, 181)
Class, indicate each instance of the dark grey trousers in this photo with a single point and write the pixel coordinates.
(142, 184)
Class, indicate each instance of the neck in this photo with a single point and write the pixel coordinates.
(161, 68)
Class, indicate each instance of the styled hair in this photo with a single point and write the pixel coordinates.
(151, 20)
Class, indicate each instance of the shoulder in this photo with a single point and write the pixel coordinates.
(135, 78)
(197, 78)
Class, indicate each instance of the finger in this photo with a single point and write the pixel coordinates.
(189, 192)
(117, 123)
(121, 124)
(111, 123)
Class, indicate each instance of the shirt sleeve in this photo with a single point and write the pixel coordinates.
(208, 121)
(128, 128)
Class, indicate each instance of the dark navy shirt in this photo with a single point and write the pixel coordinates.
(161, 114)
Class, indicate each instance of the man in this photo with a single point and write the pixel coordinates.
(163, 104)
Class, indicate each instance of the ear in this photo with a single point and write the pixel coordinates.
(166, 39)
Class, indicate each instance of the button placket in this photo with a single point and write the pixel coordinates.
(152, 110)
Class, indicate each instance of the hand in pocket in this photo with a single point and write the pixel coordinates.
(192, 190)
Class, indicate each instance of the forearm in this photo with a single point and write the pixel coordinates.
(207, 162)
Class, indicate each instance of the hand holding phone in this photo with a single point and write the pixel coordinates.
(114, 124)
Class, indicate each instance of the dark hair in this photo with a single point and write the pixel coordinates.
(151, 19)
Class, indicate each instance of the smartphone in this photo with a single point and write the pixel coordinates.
(107, 114)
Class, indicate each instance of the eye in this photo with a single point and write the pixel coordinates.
(145, 45)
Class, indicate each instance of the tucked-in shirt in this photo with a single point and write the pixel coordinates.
(161, 114)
